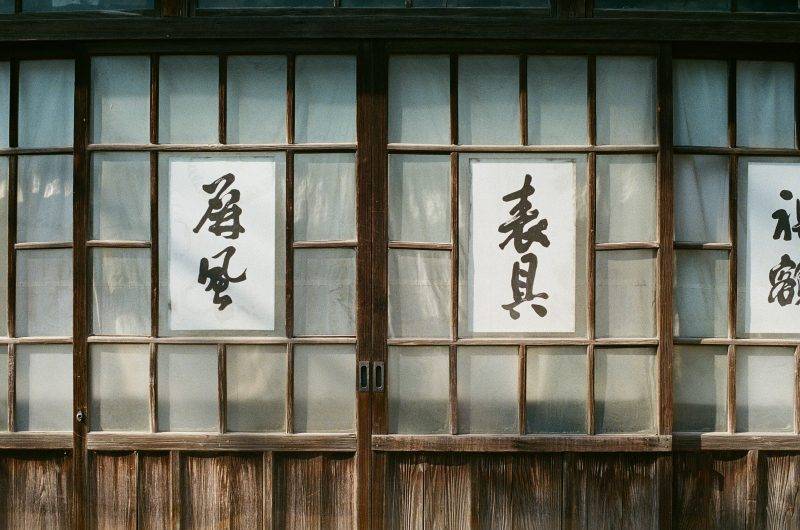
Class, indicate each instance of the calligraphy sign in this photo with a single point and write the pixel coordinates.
(771, 242)
(222, 243)
(522, 246)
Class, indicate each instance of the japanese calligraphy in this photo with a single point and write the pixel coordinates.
(218, 277)
(784, 277)
(524, 234)
(222, 214)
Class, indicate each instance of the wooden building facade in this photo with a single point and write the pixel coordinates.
(374, 399)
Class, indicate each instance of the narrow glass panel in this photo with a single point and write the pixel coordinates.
(44, 293)
(556, 390)
(324, 389)
(419, 198)
(764, 389)
(666, 5)
(325, 278)
(488, 397)
(325, 104)
(44, 387)
(768, 6)
(46, 103)
(4, 389)
(121, 196)
(701, 103)
(373, 3)
(5, 99)
(188, 100)
(44, 198)
(256, 100)
(187, 388)
(626, 100)
(701, 199)
(37, 6)
(240, 4)
(765, 104)
(626, 198)
(625, 390)
(256, 388)
(625, 293)
(3, 244)
(7, 7)
(557, 100)
(701, 293)
(419, 390)
(324, 197)
(419, 99)
(488, 100)
(121, 291)
(419, 293)
(701, 388)
(120, 100)
(120, 387)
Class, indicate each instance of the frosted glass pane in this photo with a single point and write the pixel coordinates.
(256, 388)
(325, 291)
(46, 103)
(765, 104)
(44, 198)
(466, 306)
(419, 99)
(120, 291)
(700, 103)
(325, 98)
(120, 387)
(419, 198)
(324, 197)
(418, 390)
(488, 397)
(557, 390)
(701, 293)
(41, 6)
(324, 388)
(121, 196)
(256, 100)
(44, 387)
(701, 199)
(666, 5)
(625, 390)
(488, 100)
(188, 100)
(626, 295)
(121, 100)
(764, 389)
(419, 293)
(5, 102)
(557, 100)
(44, 292)
(4, 389)
(626, 198)
(626, 100)
(701, 388)
(187, 388)
(3, 244)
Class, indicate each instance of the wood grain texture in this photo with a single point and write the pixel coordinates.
(112, 483)
(710, 490)
(780, 490)
(36, 490)
(403, 502)
(447, 490)
(154, 485)
(221, 491)
(611, 491)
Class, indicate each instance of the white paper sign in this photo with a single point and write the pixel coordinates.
(529, 284)
(771, 248)
(222, 209)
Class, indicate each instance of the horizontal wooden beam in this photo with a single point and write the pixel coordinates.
(528, 443)
(35, 440)
(477, 24)
(101, 441)
(733, 442)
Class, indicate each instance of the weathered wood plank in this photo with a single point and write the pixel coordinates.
(338, 492)
(154, 488)
(298, 486)
(710, 490)
(37, 491)
(221, 491)
(536, 491)
(404, 492)
(491, 492)
(447, 492)
(113, 491)
(780, 490)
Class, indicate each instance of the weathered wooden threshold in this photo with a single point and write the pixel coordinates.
(99, 441)
(735, 442)
(473, 443)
